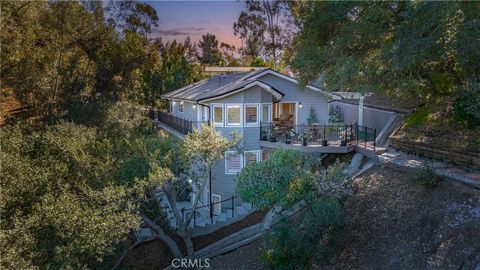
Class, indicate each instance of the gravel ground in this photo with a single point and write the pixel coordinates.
(396, 224)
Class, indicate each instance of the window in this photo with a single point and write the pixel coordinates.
(217, 114)
(252, 157)
(266, 154)
(233, 162)
(234, 115)
(251, 114)
(217, 205)
(180, 107)
(266, 112)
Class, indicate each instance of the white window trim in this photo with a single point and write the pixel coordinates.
(257, 123)
(270, 112)
(256, 152)
(212, 108)
(226, 162)
(183, 106)
(227, 105)
(217, 208)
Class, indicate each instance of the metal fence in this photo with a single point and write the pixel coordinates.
(181, 125)
(324, 135)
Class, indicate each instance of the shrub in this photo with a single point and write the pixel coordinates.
(426, 176)
(292, 244)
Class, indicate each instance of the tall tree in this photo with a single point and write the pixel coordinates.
(426, 50)
(68, 55)
(210, 52)
(250, 28)
(269, 12)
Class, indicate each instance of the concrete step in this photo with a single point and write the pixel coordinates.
(240, 210)
(222, 217)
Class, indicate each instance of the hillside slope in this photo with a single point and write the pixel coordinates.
(397, 224)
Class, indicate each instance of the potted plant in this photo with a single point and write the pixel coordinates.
(288, 136)
(271, 135)
(264, 133)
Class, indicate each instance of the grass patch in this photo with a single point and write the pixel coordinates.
(419, 117)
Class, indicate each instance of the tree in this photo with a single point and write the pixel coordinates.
(268, 12)
(210, 52)
(290, 179)
(69, 56)
(429, 51)
(250, 28)
(62, 204)
(199, 151)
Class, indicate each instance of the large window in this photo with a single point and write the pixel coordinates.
(233, 162)
(180, 107)
(252, 157)
(217, 114)
(234, 115)
(267, 112)
(251, 114)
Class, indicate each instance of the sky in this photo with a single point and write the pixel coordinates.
(179, 19)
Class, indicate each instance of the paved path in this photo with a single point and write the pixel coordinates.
(410, 162)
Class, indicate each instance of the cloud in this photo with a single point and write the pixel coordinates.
(180, 31)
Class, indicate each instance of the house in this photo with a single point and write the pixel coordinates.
(267, 108)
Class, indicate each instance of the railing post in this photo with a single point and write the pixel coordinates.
(194, 219)
(233, 206)
(365, 136)
(374, 138)
(356, 131)
(183, 213)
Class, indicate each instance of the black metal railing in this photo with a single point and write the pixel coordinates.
(187, 212)
(321, 134)
(184, 126)
(366, 137)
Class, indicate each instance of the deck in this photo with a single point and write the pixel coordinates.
(318, 138)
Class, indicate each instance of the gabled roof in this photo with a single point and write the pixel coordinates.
(224, 85)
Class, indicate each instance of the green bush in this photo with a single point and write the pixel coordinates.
(315, 234)
(426, 176)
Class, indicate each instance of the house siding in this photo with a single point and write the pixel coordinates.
(309, 98)
(189, 112)
(225, 184)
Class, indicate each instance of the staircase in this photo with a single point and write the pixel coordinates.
(202, 223)
(203, 220)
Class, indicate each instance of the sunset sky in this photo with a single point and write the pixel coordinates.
(179, 19)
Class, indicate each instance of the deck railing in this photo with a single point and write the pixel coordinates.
(320, 134)
(184, 126)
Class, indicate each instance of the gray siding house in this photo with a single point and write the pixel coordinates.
(253, 104)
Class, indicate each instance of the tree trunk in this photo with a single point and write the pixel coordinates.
(172, 245)
(187, 239)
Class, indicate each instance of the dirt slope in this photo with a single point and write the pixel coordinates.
(396, 224)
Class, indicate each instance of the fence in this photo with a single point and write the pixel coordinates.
(181, 125)
(324, 135)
